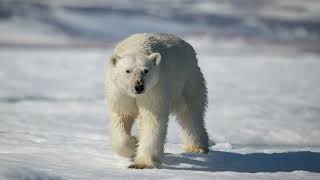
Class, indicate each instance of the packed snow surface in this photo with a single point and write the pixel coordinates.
(263, 115)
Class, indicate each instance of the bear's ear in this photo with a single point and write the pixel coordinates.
(155, 58)
(114, 59)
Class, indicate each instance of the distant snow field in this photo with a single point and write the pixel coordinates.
(73, 21)
(263, 115)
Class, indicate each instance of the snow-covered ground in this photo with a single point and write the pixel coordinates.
(54, 122)
(260, 58)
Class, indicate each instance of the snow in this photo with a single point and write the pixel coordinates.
(69, 22)
(263, 115)
(260, 60)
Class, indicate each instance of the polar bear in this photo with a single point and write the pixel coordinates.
(149, 76)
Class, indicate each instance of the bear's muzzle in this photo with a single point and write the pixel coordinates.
(139, 87)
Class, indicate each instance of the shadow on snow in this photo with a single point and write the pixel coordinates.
(256, 162)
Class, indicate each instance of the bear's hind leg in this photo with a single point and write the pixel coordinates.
(194, 134)
(190, 115)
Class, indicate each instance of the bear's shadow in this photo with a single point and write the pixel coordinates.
(255, 162)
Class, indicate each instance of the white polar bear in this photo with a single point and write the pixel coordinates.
(149, 76)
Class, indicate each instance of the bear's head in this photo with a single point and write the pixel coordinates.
(135, 73)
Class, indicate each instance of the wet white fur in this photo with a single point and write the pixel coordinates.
(175, 84)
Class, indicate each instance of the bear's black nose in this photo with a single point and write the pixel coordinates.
(139, 88)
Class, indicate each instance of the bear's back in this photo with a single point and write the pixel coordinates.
(168, 45)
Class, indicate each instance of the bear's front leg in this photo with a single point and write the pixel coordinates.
(153, 130)
(122, 141)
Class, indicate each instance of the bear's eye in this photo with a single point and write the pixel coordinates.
(128, 71)
(145, 71)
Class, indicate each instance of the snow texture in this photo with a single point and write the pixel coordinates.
(262, 114)
(261, 61)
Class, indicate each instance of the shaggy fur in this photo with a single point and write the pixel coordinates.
(173, 83)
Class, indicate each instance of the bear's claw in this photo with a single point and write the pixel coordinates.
(140, 166)
(197, 150)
